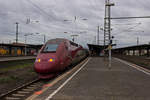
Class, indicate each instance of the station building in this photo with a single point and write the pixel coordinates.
(96, 50)
(18, 49)
(136, 50)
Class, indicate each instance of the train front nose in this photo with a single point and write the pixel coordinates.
(45, 65)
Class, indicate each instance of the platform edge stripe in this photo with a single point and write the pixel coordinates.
(134, 66)
(58, 89)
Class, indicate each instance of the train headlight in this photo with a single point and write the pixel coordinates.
(38, 60)
(51, 60)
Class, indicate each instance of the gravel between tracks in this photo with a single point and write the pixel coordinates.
(13, 78)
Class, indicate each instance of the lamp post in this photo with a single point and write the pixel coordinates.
(44, 37)
(17, 31)
(138, 39)
(27, 34)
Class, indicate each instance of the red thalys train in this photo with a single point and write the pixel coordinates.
(56, 55)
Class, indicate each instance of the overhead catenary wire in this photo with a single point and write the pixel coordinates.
(92, 5)
(125, 24)
(145, 3)
(41, 11)
(130, 28)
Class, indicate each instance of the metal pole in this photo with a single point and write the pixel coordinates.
(95, 40)
(109, 35)
(105, 26)
(137, 40)
(25, 45)
(44, 38)
(73, 39)
(98, 35)
(75, 18)
(17, 32)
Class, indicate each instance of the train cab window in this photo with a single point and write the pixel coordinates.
(74, 44)
(50, 48)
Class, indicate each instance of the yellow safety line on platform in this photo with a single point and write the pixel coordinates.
(46, 86)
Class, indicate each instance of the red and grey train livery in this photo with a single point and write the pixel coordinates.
(57, 54)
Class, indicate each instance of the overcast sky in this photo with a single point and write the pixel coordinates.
(47, 18)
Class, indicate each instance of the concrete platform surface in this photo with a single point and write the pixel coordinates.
(16, 58)
(95, 81)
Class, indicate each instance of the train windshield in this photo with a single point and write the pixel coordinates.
(50, 48)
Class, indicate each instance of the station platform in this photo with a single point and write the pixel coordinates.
(2, 59)
(94, 80)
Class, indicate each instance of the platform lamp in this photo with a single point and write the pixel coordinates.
(44, 37)
(27, 34)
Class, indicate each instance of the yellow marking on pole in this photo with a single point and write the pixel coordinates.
(109, 47)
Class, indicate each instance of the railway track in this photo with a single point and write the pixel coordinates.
(23, 91)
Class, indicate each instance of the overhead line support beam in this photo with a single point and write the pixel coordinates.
(128, 17)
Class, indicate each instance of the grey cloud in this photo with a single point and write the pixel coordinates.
(52, 13)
